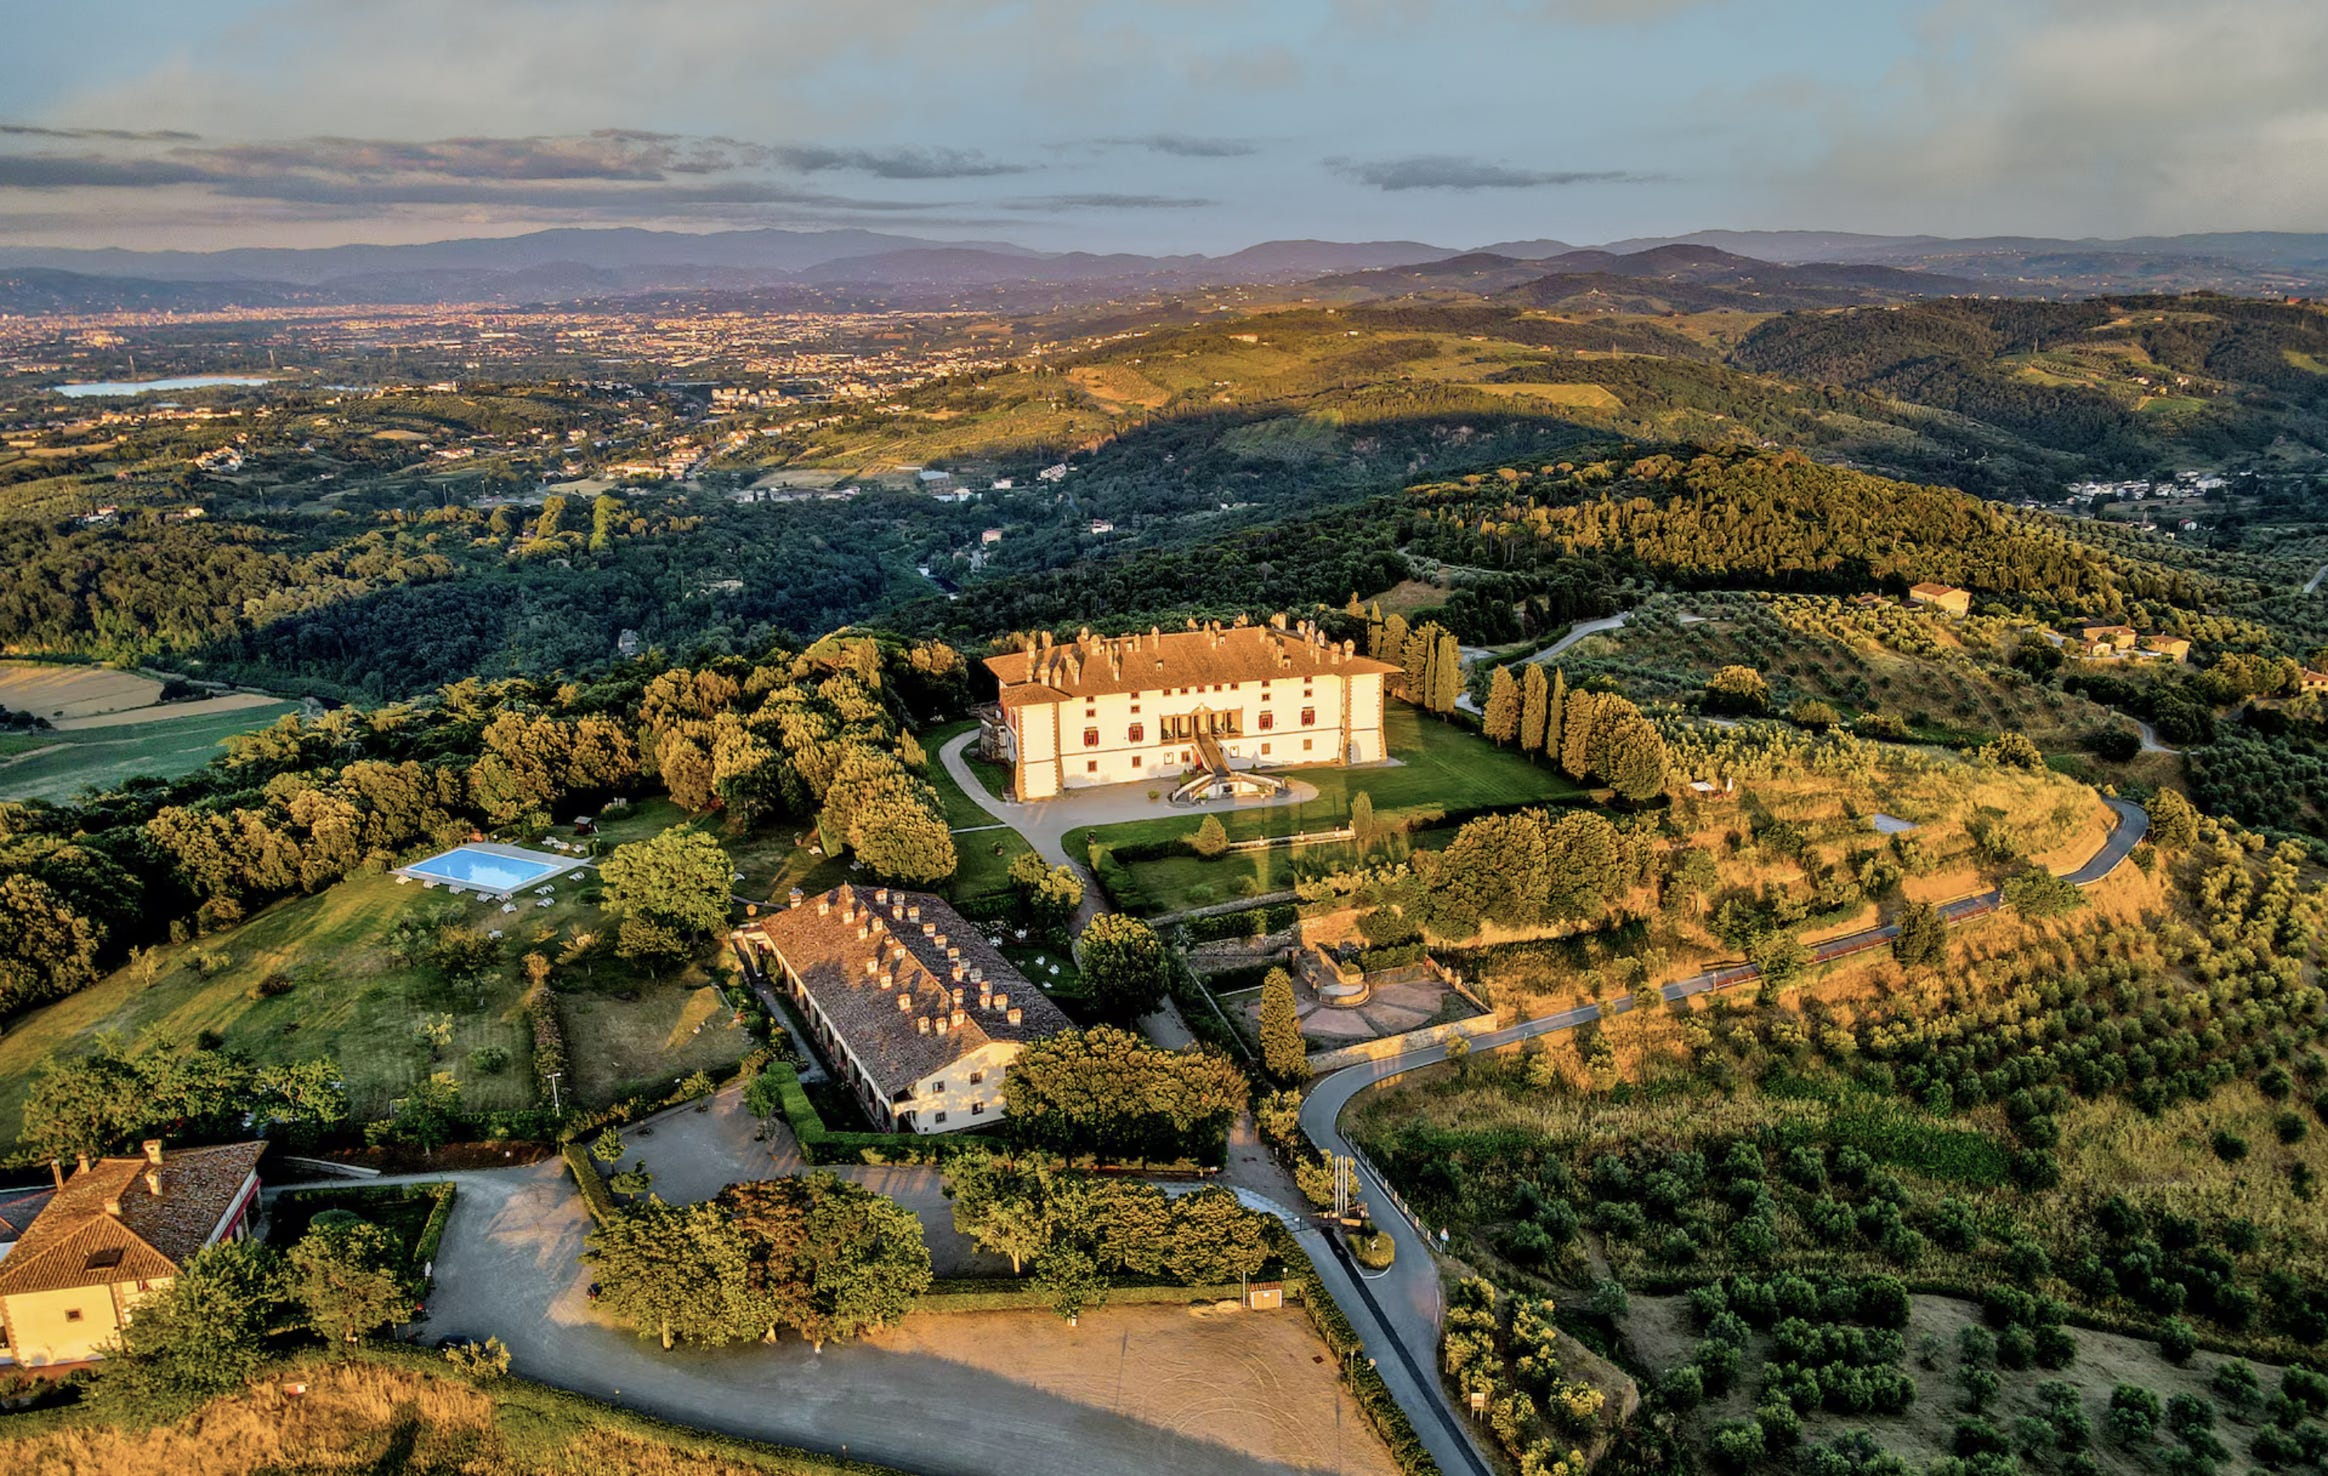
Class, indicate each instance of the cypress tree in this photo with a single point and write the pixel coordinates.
(1534, 710)
(1501, 718)
(1282, 1051)
(1446, 673)
(1556, 712)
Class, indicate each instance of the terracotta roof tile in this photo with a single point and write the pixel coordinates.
(818, 940)
(76, 1241)
(1095, 665)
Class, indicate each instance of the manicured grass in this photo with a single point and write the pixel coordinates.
(985, 847)
(634, 1035)
(1442, 766)
(1185, 880)
(349, 1001)
(103, 757)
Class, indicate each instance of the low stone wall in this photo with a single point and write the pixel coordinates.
(1398, 1045)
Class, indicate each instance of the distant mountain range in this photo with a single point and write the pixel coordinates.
(1751, 269)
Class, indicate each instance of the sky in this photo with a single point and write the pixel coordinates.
(1204, 125)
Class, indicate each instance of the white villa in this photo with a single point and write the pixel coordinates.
(1217, 702)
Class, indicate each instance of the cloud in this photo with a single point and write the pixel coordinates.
(1103, 200)
(2018, 119)
(89, 171)
(893, 163)
(160, 135)
(1188, 146)
(1454, 172)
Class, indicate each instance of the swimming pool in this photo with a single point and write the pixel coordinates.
(487, 868)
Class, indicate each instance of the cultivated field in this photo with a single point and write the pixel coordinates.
(100, 752)
(1257, 1383)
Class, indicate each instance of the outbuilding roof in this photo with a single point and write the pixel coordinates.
(907, 983)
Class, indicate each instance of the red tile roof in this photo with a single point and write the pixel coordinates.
(77, 1240)
(1090, 666)
(907, 935)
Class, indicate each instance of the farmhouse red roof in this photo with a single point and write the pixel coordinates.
(1091, 666)
(107, 1225)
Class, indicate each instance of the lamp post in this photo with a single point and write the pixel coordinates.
(555, 1109)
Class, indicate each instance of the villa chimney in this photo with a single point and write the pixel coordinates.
(823, 904)
(985, 999)
(977, 974)
(929, 930)
(153, 1178)
(904, 1002)
(153, 1151)
(888, 981)
(57, 1171)
(1002, 1001)
(862, 930)
(957, 997)
(881, 894)
(923, 1024)
(959, 971)
(872, 967)
(84, 1163)
(939, 1024)
(958, 1017)
(113, 1205)
(1013, 1017)
(913, 913)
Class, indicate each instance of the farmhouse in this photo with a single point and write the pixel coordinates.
(917, 1012)
(1218, 699)
(110, 1235)
(1946, 598)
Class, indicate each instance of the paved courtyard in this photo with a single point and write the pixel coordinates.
(1402, 1000)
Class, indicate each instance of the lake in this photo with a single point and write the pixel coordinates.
(146, 386)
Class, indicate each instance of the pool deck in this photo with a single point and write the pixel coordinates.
(556, 867)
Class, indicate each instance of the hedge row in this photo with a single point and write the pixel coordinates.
(1373, 1395)
(1005, 1294)
(822, 1147)
(1119, 884)
(1252, 922)
(1389, 956)
(595, 1197)
(353, 1198)
(549, 1040)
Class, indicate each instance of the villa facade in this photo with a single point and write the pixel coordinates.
(1161, 706)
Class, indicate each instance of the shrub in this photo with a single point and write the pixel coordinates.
(273, 985)
(2177, 1341)
(489, 1060)
(1738, 1444)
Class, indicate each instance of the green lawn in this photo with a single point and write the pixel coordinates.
(1177, 882)
(351, 1002)
(1442, 766)
(986, 847)
(166, 748)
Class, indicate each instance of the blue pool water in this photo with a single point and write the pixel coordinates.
(487, 871)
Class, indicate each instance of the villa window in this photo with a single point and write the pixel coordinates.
(1265, 750)
(1309, 717)
(73, 1314)
(941, 1117)
(1307, 744)
(1091, 737)
(1268, 720)
(977, 1078)
(1136, 760)
(1136, 733)
(977, 1109)
(1091, 766)
(937, 1086)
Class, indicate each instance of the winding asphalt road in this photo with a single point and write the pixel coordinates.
(1398, 1314)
